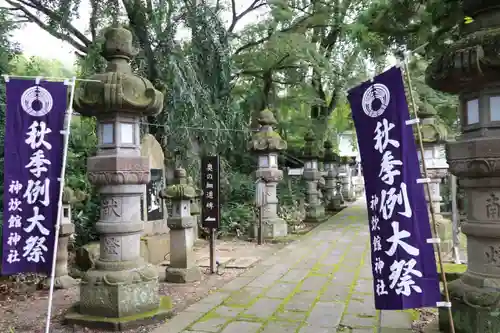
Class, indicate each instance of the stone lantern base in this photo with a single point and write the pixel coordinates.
(474, 309)
(159, 314)
(271, 228)
(315, 214)
(116, 299)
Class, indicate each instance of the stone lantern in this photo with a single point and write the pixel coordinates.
(121, 289)
(345, 175)
(471, 68)
(62, 278)
(182, 266)
(267, 144)
(315, 212)
(433, 138)
(330, 163)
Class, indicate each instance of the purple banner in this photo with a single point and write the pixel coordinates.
(403, 263)
(33, 160)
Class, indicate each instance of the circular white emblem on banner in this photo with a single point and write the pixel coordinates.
(36, 101)
(375, 100)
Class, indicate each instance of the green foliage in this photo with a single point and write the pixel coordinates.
(82, 144)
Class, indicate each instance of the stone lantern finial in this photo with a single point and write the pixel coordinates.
(117, 89)
(311, 151)
(329, 155)
(266, 139)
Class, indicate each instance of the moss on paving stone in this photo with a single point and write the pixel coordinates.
(232, 300)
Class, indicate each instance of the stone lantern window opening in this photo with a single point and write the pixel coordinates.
(494, 113)
(185, 208)
(127, 133)
(107, 133)
(66, 213)
(273, 160)
(472, 111)
(311, 165)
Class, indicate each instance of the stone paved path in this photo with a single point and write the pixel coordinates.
(319, 284)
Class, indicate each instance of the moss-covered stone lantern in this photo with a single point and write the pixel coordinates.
(331, 162)
(182, 267)
(266, 144)
(470, 68)
(121, 289)
(315, 212)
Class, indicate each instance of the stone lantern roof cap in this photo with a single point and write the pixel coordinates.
(266, 139)
(329, 155)
(433, 131)
(71, 196)
(117, 90)
(180, 189)
(311, 151)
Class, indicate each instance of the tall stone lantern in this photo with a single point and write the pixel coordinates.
(121, 289)
(267, 144)
(345, 174)
(182, 268)
(471, 69)
(315, 211)
(434, 138)
(330, 163)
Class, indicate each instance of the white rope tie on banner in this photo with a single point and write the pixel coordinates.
(412, 121)
(67, 123)
(443, 304)
(423, 180)
(38, 79)
(434, 241)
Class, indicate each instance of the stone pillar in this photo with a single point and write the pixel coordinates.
(62, 279)
(434, 136)
(182, 267)
(471, 69)
(195, 209)
(121, 289)
(346, 178)
(267, 144)
(330, 160)
(315, 212)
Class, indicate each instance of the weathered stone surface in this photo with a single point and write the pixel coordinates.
(242, 327)
(120, 284)
(279, 304)
(263, 308)
(210, 325)
(326, 314)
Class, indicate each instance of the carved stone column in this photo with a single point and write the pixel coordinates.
(315, 212)
(471, 68)
(182, 266)
(267, 144)
(121, 289)
(330, 160)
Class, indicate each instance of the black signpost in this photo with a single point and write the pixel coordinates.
(153, 200)
(210, 211)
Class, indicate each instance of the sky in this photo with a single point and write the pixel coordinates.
(35, 41)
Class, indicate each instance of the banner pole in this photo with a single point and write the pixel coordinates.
(428, 191)
(65, 132)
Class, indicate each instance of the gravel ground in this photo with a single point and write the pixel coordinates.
(24, 308)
